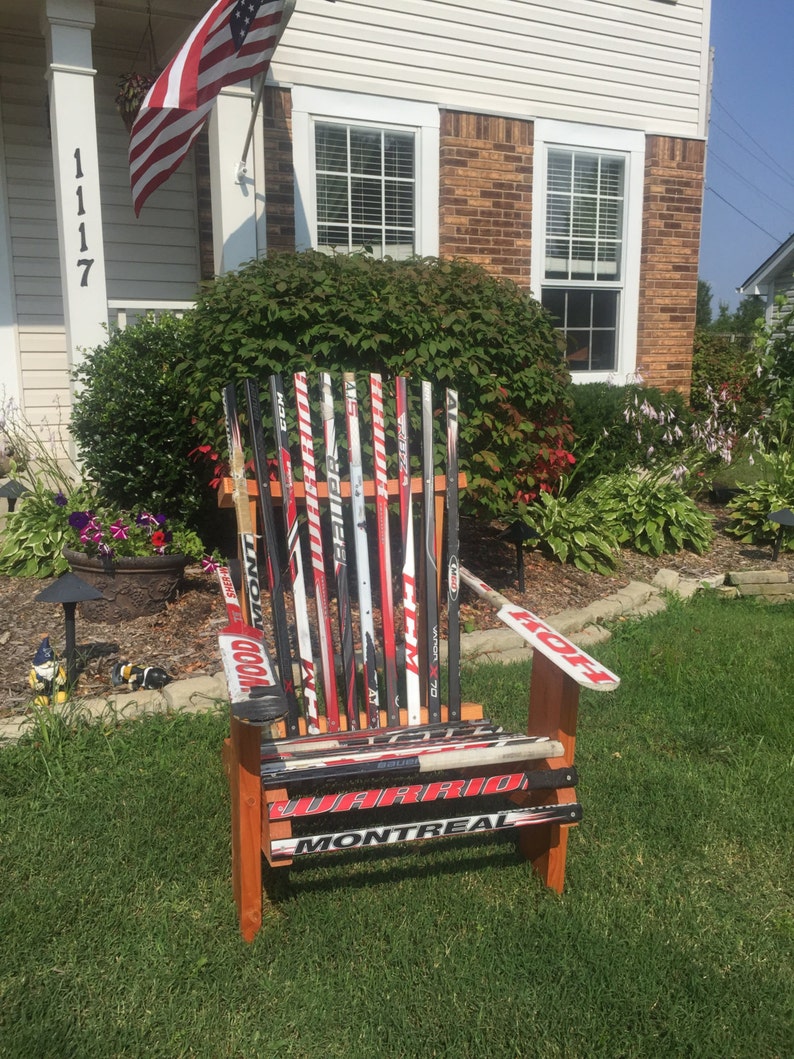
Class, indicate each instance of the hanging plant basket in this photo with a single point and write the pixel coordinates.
(132, 89)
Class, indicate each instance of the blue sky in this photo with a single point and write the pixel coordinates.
(750, 160)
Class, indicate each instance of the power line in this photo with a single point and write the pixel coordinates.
(775, 238)
(787, 209)
(750, 137)
(747, 150)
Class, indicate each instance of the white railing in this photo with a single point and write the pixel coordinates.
(127, 312)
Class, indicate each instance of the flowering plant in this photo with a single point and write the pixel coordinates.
(111, 534)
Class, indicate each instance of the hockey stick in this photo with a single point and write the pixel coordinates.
(419, 793)
(255, 694)
(277, 601)
(490, 750)
(410, 616)
(294, 558)
(429, 558)
(361, 544)
(384, 550)
(566, 655)
(328, 669)
(296, 846)
(340, 551)
(245, 532)
(379, 737)
(453, 559)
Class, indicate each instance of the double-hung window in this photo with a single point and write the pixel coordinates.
(366, 189)
(588, 213)
(366, 172)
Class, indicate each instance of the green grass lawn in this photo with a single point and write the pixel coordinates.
(673, 938)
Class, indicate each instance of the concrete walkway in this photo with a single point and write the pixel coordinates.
(200, 694)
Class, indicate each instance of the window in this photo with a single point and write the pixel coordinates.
(588, 208)
(366, 173)
(365, 189)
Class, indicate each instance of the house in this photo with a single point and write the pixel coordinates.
(558, 142)
(774, 279)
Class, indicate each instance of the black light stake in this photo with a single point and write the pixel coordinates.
(517, 533)
(12, 491)
(69, 590)
(784, 517)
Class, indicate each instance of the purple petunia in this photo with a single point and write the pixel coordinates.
(60, 499)
(79, 519)
(209, 565)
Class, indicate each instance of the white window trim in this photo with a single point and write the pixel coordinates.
(319, 104)
(631, 144)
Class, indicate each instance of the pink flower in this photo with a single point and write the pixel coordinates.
(119, 531)
(209, 565)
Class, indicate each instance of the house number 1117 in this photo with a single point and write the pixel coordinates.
(83, 263)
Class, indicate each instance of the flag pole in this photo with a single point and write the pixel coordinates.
(241, 169)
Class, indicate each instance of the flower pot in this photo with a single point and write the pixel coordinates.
(131, 587)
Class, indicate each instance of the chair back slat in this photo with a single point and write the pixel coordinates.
(334, 629)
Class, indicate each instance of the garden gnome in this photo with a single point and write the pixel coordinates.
(137, 677)
(47, 676)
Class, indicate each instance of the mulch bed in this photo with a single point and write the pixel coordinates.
(183, 639)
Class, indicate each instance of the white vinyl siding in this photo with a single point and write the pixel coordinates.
(575, 60)
(36, 288)
(154, 258)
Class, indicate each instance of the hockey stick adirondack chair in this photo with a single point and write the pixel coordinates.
(329, 761)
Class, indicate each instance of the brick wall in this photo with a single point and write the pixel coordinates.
(669, 269)
(279, 179)
(486, 192)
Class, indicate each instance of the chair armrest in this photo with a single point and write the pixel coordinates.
(585, 670)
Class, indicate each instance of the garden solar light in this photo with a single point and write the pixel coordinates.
(12, 491)
(517, 533)
(784, 518)
(69, 590)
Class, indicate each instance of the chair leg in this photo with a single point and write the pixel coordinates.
(243, 765)
(553, 711)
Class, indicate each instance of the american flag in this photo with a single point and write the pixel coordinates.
(233, 42)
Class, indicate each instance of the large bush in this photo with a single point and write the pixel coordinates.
(774, 345)
(444, 320)
(619, 427)
(132, 421)
(724, 367)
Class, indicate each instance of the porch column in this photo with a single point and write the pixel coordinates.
(236, 203)
(67, 26)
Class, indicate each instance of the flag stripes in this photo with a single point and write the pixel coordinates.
(233, 42)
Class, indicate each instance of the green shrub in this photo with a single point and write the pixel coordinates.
(35, 535)
(575, 530)
(615, 427)
(648, 512)
(775, 490)
(132, 422)
(651, 513)
(445, 320)
(775, 347)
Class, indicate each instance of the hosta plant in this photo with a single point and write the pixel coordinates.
(774, 491)
(651, 513)
(573, 530)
